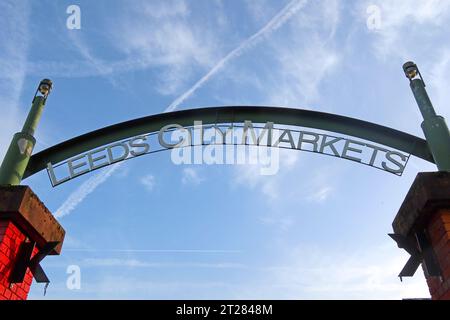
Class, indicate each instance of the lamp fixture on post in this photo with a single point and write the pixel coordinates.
(434, 127)
(19, 152)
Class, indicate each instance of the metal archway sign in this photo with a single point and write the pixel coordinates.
(19, 163)
(93, 150)
(96, 149)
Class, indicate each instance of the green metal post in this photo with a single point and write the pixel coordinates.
(19, 152)
(434, 127)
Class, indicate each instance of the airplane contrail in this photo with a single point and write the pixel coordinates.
(276, 22)
(86, 188)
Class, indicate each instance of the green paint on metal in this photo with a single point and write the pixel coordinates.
(422, 99)
(216, 115)
(19, 152)
(34, 115)
(434, 127)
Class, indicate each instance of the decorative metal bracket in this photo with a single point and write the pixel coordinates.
(421, 251)
(25, 261)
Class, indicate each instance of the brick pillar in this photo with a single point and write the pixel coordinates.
(10, 240)
(422, 227)
(24, 223)
(439, 234)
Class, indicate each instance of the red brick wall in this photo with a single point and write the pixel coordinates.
(439, 233)
(10, 239)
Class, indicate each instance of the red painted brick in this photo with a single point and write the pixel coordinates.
(4, 260)
(7, 294)
(9, 247)
(10, 233)
(4, 249)
(28, 280)
(20, 292)
(439, 232)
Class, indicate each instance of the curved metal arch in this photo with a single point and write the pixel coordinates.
(214, 115)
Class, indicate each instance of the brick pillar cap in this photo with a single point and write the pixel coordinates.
(429, 192)
(22, 206)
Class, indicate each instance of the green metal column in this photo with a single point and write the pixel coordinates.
(19, 152)
(434, 127)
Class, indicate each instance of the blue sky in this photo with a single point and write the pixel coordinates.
(154, 230)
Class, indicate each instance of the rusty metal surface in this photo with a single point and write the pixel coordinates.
(23, 207)
(429, 192)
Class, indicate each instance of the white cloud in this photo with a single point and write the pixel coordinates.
(306, 272)
(369, 273)
(136, 288)
(146, 35)
(14, 41)
(321, 194)
(100, 67)
(437, 80)
(166, 9)
(202, 251)
(302, 67)
(151, 35)
(331, 16)
(136, 263)
(148, 181)
(260, 10)
(191, 176)
(314, 186)
(162, 34)
(86, 188)
(283, 222)
(305, 59)
(295, 64)
(249, 175)
(301, 64)
(404, 23)
(275, 23)
(279, 192)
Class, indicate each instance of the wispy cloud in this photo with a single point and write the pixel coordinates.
(306, 272)
(101, 68)
(162, 35)
(405, 23)
(156, 36)
(300, 65)
(438, 80)
(148, 181)
(276, 22)
(302, 68)
(135, 263)
(249, 175)
(279, 192)
(135, 287)
(369, 273)
(304, 57)
(191, 176)
(14, 39)
(86, 188)
(169, 251)
(321, 194)
(259, 10)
